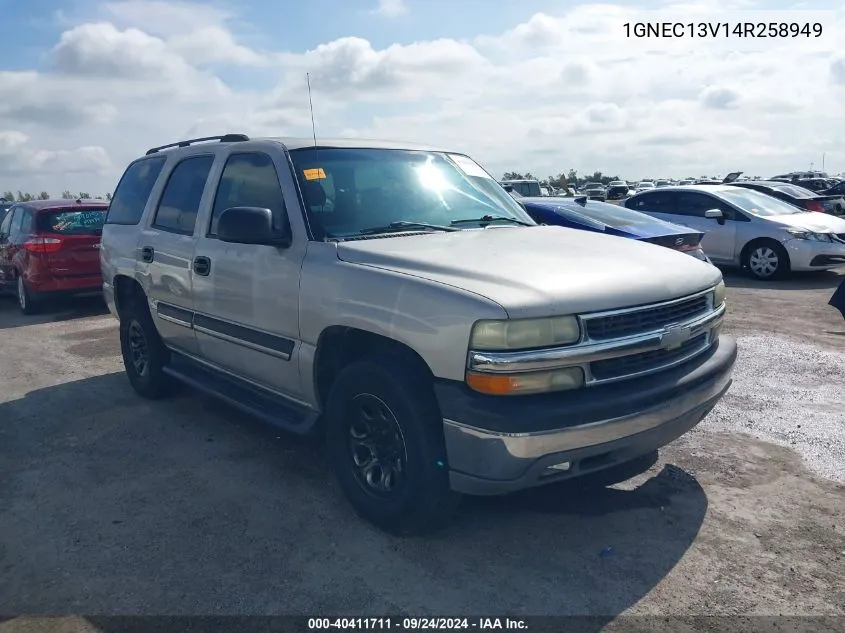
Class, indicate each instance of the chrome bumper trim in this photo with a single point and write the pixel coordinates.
(507, 456)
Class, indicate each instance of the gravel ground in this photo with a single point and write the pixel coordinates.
(114, 505)
(788, 393)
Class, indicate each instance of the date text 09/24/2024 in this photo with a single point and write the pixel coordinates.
(416, 624)
(723, 29)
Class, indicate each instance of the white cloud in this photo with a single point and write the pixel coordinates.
(555, 92)
(391, 8)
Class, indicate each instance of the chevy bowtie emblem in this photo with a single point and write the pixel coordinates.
(674, 337)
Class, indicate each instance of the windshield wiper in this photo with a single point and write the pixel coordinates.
(487, 219)
(394, 227)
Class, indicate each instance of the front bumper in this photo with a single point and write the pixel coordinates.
(501, 444)
(813, 255)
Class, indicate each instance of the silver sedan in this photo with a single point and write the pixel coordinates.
(750, 229)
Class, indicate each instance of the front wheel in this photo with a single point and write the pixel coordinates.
(767, 260)
(385, 443)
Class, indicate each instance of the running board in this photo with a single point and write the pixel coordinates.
(260, 403)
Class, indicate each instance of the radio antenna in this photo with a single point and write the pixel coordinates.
(311, 107)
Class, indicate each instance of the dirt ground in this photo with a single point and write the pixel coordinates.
(110, 504)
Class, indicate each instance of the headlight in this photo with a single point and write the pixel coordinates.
(524, 333)
(526, 383)
(801, 234)
(719, 294)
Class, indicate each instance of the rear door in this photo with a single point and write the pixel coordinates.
(166, 250)
(71, 238)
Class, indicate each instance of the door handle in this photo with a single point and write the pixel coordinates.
(202, 265)
(147, 254)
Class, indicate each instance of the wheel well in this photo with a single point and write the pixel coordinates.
(126, 290)
(760, 240)
(339, 346)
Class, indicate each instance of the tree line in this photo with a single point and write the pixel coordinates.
(22, 196)
(563, 179)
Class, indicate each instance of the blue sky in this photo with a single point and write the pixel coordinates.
(525, 85)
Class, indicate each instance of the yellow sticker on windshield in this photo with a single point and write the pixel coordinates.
(314, 174)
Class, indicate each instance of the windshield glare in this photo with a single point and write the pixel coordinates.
(347, 191)
(759, 204)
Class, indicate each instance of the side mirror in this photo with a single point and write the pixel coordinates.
(251, 225)
(714, 214)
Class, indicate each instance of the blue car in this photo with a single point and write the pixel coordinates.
(601, 217)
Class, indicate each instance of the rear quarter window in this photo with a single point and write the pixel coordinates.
(133, 191)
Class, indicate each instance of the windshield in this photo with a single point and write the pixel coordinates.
(347, 191)
(646, 185)
(76, 222)
(757, 203)
(594, 185)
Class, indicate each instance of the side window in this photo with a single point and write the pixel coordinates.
(180, 200)
(6, 225)
(17, 221)
(133, 191)
(696, 204)
(248, 180)
(26, 221)
(656, 202)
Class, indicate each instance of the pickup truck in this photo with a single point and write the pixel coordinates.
(398, 301)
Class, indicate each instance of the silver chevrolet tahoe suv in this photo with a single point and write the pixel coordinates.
(396, 300)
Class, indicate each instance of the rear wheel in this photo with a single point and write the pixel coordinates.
(766, 260)
(384, 436)
(144, 353)
(27, 301)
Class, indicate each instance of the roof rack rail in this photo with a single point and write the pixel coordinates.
(225, 138)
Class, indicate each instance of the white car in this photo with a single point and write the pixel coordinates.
(750, 229)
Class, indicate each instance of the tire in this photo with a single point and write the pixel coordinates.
(395, 475)
(766, 260)
(144, 353)
(28, 302)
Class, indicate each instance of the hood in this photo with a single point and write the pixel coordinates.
(540, 270)
(811, 221)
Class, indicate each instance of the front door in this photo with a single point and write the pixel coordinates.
(719, 242)
(247, 296)
(166, 250)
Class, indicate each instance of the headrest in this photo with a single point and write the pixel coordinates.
(315, 195)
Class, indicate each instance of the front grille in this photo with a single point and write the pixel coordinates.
(646, 319)
(646, 361)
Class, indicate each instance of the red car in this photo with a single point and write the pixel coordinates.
(50, 248)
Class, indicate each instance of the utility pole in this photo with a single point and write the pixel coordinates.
(823, 154)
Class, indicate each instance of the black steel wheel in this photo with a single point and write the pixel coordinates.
(376, 445)
(384, 437)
